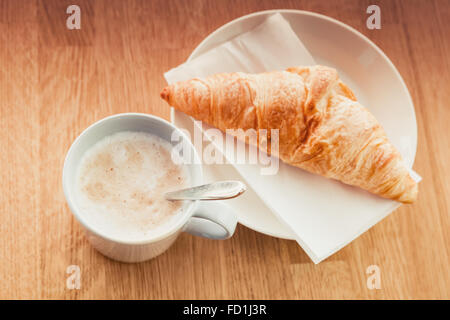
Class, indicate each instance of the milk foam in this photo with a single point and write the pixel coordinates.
(121, 181)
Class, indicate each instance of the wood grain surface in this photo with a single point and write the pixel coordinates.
(54, 82)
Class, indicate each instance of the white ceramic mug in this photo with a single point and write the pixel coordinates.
(212, 220)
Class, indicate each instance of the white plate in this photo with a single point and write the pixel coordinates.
(361, 64)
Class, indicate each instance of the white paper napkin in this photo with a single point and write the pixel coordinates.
(272, 45)
(324, 215)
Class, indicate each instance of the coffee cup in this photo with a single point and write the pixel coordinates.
(213, 220)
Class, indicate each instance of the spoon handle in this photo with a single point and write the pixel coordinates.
(213, 191)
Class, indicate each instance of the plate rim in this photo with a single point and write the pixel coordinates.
(214, 33)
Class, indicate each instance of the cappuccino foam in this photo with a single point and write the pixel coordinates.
(121, 182)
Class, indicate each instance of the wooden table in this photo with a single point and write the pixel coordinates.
(54, 82)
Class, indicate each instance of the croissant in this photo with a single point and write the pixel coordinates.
(322, 128)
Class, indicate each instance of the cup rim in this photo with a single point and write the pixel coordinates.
(75, 210)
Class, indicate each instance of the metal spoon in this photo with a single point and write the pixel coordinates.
(213, 191)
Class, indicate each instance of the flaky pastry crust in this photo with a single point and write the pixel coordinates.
(322, 128)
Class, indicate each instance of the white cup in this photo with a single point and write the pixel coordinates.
(212, 220)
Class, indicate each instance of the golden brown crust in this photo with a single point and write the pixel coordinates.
(322, 128)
